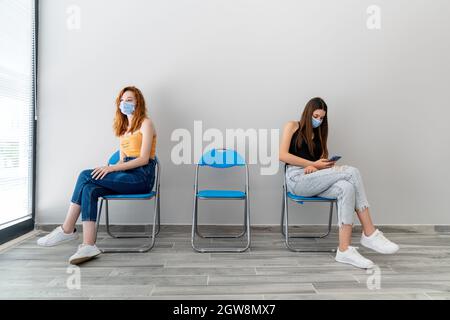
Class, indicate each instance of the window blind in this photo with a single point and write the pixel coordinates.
(17, 109)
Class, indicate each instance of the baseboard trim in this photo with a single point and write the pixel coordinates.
(422, 229)
(11, 243)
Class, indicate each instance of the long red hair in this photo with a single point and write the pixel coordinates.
(140, 112)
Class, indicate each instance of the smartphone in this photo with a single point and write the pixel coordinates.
(334, 158)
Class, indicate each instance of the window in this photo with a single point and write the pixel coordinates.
(17, 116)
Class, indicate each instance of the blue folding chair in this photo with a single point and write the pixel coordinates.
(154, 194)
(285, 221)
(221, 159)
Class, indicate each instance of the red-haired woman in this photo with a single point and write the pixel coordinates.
(134, 173)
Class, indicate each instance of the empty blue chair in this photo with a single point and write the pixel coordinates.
(221, 159)
(154, 194)
(285, 219)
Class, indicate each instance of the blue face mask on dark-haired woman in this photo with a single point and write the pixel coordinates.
(316, 122)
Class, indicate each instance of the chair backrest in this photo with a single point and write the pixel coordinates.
(115, 157)
(221, 158)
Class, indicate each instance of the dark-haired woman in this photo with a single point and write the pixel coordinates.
(310, 173)
(133, 174)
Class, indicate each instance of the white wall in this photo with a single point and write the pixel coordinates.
(251, 64)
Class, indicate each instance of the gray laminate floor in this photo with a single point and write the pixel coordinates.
(172, 270)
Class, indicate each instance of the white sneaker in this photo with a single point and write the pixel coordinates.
(378, 242)
(352, 256)
(57, 236)
(84, 253)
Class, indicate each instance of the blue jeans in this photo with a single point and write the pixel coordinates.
(134, 181)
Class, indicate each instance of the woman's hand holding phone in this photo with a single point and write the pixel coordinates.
(323, 164)
(335, 158)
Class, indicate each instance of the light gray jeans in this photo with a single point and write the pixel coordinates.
(341, 182)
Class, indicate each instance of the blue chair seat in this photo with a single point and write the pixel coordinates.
(130, 196)
(222, 194)
(300, 199)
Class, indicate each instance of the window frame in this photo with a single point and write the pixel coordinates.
(18, 229)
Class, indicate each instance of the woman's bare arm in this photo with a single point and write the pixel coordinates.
(122, 156)
(284, 154)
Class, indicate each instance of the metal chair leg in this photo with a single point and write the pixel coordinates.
(321, 235)
(282, 212)
(123, 235)
(99, 215)
(225, 236)
(288, 237)
(212, 250)
(143, 248)
(159, 213)
(247, 220)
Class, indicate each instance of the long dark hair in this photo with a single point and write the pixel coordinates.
(306, 129)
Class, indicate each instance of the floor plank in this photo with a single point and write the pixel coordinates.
(172, 270)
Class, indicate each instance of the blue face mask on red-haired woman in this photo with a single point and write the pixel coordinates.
(127, 108)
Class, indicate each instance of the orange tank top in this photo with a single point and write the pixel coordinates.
(131, 144)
